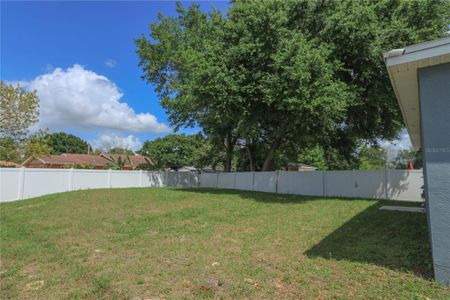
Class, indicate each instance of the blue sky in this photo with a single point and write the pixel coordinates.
(80, 56)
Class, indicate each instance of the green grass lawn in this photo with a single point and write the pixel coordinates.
(201, 243)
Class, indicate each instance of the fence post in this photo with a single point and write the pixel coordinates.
(217, 179)
(324, 177)
(190, 184)
(355, 184)
(234, 180)
(141, 175)
(108, 180)
(70, 179)
(21, 183)
(276, 182)
(386, 182)
(198, 183)
(253, 181)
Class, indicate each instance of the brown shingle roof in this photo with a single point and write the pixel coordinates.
(133, 160)
(73, 159)
(88, 159)
(8, 164)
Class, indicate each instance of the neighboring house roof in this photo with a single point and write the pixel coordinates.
(70, 159)
(301, 166)
(187, 169)
(89, 159)
(402, 66)
(8, 164)
(133, 160)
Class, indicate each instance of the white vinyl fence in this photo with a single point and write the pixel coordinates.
(382, 184)
(24, 183)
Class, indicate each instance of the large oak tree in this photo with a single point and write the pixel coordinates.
(275, 73)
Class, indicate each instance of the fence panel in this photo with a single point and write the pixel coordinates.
(124, 179)
(37, 183)
(9, 184)
(405, 185)
(184, 179)
(226, 180)
(173, 179)
(340, 183)
(391, 184)
(370, 184)
(208, 180)
(265, 182)
(194, 179)
(90, 179)
(301, 183)
(244, 181)
(153, 179)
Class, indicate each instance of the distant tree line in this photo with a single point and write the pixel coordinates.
(172, 151)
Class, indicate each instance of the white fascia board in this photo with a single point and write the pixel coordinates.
(402, 66)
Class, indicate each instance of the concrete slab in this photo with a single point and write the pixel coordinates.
(404, 208)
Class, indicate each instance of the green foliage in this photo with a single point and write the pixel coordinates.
(314, 156)
(207, 154)
(80, 166)
(118, 150)
(18, 111)
(117, 164)
(372, 158)
(37, 144)
(62, 142)
(41, 143)
(172, 151)
(9, 149)
(404, 156)
(147, 167)
(273, 73)
(186, 65)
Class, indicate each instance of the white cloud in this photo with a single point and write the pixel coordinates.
(105, 142)
(402, 143)
(110, 63)
(77, 98)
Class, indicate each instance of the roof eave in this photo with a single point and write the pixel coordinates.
(402, 65)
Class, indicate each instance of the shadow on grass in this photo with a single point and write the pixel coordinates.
(396, 240)
(262, 196)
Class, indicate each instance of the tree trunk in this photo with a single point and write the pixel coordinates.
(269, 155)
(252, 157)
(228, 159)
(268, 160)
(229, 149)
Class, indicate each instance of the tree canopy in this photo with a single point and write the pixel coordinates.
(62, 142)
(118, 150)
(9, 149)
(37, 144)
(273, 76)
(19, 110)
(373, 158)
(405, 156)
(172, 151)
